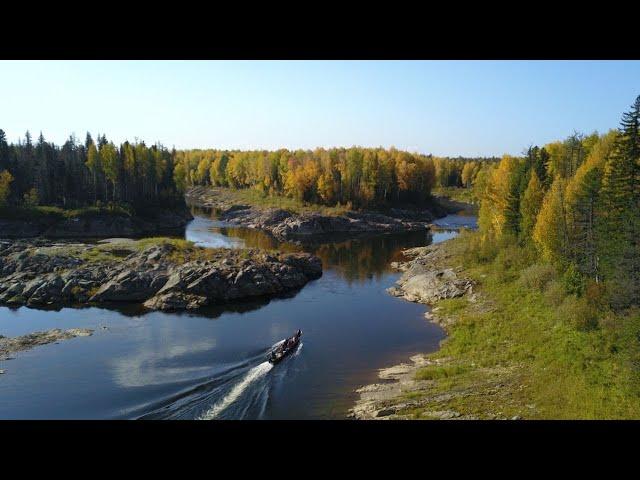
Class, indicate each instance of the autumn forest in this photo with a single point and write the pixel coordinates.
(574, 202)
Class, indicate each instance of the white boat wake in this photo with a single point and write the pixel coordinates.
(252, 375)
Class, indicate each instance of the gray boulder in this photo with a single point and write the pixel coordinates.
(128, 286)
(174, 301)
(49, 292)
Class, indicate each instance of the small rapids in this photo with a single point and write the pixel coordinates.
(239, 391)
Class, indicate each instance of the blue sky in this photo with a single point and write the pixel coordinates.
(440, 107)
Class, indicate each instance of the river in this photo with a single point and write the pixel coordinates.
(211, 364)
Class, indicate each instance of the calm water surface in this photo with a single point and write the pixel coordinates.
(212, 364)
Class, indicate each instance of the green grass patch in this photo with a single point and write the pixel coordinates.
(526, 347)
(178, 243)
(435, 372)
(183, 250)
(459, 194)
(257, 198)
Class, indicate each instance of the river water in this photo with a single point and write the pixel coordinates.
(212, 364)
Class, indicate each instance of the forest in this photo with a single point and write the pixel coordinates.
(552, 328)
(135, 176)
(575, 205)
(355, 177)
(132, 176)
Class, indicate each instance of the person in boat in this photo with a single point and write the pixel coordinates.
(290, 342)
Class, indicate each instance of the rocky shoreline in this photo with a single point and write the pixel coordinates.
(428, 277)
(286, 225)
(97, 225)
(168, 276)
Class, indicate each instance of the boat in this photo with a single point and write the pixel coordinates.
(285, 348)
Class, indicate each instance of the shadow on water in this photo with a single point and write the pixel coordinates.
(136, 310)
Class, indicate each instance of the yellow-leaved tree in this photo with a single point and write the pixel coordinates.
(469, 172)
(499, 209)
(5, 187)
(550, 232)
(530, 206)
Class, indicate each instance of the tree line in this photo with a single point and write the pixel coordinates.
(93, 173)
(460, 171)
(360, 177)
(133, 174)
(574, 202)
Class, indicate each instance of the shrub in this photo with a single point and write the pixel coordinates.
(30, 198)
(555, 293)
(478, 250)
(5, 186)
(537, 276)
(596, 294)
(578, 313)
(620, 292)
(512, 259)
(574, 282)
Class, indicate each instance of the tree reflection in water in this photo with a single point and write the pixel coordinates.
(356, 259)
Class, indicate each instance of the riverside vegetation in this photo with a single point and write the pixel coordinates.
(550, 325)
(95, 189)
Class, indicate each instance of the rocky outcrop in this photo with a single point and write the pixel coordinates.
(9, 346)
(429, 286)
(290, 226)
(200, 284)
(130, 286)
(285, 225)
(163, 276)
(426, 278)
(97, 226)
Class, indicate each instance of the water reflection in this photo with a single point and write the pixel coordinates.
(158, 362)
(358, 259)
(463, 219)
(183, 365)
(200, 231)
